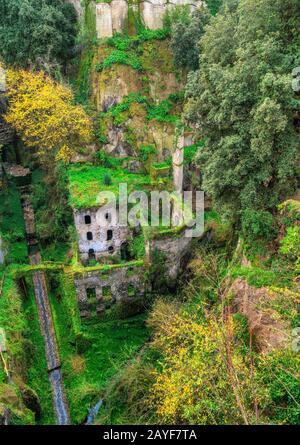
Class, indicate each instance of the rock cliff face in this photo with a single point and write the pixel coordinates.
(112, 17)
(117, 15)
(146, 88)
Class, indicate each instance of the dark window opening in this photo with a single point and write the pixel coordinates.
(111, 249)
(91, 296)
(108, 217)
(92, 255)
(107, 296)
(87, 219)
(131, 290)
(89, 236)
(91, 293)
(125, 251)
(109, 235)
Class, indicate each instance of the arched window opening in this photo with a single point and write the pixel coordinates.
(87, 219)
(92, 255)
(111, 249)
(89, 236)
(109, 235)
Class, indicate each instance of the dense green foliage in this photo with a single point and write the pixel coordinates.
(125, 42)
(186, 31)
(243, 100)
(216, 347)
(258, 223)
(37, 33)
(12, 226)
(121, 57)
(128, 50)
(214, 5)
(91, 352)
(52, 213)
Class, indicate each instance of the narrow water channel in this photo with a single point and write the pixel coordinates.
(60, 405)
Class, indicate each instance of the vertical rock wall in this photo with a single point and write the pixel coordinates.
(104, 20)
(174, 249)
(113, 17)
(153, 12)
(119, 14)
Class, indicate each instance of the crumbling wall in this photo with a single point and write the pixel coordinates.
(174, 249)
(123, 285)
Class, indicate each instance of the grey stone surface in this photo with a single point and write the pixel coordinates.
(119, 14)
(177, 160)
(100, 244)
(116, 281)
(112, 17)
(174, 249)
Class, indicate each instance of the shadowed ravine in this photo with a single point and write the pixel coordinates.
(45, 319)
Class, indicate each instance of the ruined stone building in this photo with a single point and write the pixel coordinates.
(114, 258)
(111, 273)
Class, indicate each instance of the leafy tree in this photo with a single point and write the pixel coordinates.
(186, 30)
(242, 101)
(36, 33)
(43, 115)
(214, 5)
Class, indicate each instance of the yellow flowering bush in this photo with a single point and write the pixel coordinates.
(44, 116)
(204, 378)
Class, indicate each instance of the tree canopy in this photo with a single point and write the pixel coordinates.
(186, 29)
(43, 115)
(36, 33)
(242, 102)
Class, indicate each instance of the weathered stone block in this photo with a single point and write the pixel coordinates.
(152, 13)
(119, 13)
(103, 20)
(118, 281)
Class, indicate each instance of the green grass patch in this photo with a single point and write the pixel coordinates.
(259, 277)
(87, 181)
